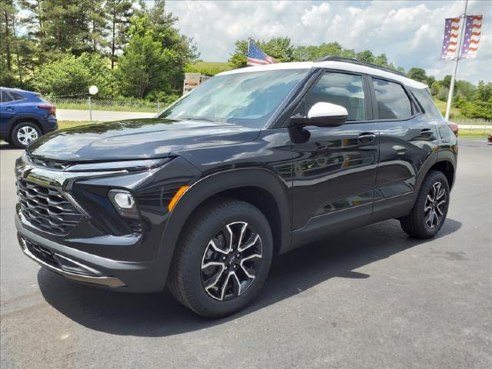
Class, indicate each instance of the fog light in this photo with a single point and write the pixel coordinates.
(124, 200)
(124, 203)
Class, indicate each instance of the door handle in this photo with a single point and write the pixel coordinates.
(9, 109)
(426, 132)
(367, 137)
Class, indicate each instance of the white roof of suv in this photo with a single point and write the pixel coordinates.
(332, 64)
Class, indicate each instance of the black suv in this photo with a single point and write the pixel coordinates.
(251, 164)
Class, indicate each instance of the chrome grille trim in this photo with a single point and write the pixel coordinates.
(46, 208)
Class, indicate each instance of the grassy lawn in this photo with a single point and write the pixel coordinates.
(474, 133)
(455, 112)
(136, 108)
(74, 123)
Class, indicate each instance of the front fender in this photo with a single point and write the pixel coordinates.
(212, 185)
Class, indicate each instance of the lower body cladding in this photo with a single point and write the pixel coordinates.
(76, 265)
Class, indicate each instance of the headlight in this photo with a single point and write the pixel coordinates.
(124, 203)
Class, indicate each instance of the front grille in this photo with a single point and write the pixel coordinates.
(47, 208)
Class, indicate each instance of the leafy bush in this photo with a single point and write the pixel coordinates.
(65, 77)
(207, 68)
(71, 76)
(100, 73)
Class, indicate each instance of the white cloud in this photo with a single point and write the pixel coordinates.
(409, 32)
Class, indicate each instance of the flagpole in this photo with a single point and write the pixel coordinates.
(453, 77)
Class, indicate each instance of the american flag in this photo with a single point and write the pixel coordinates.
(471, 39)
(258, 57)
(450, 42)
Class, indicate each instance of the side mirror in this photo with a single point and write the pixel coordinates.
(322, 114)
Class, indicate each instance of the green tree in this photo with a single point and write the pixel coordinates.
(417, 74)
(465, 90)
(484, 91)
(310, 53)
(15, 51)
(279, 48)
(7, 14)
(118, 15)
(436, 87)
(100, 73)
(365, 56)
(381, 60)
(446, 82)
(96, 17)
(155, 56)
(430, 80)
(238, 58)
(69, 26)
(142, 67)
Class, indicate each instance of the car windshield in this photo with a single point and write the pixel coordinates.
(248, 98)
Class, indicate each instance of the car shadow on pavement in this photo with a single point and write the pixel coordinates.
(158, 314)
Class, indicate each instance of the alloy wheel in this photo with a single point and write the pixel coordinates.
(435, 205)
(26, 135)
(230, 261)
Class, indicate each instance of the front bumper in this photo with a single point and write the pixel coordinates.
(77, 265)
(58, 264)
(92, 243)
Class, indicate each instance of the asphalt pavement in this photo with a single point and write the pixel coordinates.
(369, 298)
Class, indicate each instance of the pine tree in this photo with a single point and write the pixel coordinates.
(7, 14)
(118, 13)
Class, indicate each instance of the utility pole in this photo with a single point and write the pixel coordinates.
(457, 59)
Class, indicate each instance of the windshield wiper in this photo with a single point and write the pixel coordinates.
(196, 118)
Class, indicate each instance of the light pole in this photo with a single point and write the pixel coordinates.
(92, 91)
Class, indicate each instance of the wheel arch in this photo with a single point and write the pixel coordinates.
(259, 187)
(447, 168)
(443, 161)
(25, 118)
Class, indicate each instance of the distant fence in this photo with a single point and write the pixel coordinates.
(473, 122)
(110, 105)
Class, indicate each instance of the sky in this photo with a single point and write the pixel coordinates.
(410, 33)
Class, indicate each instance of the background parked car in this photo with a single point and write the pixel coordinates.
(24, 116)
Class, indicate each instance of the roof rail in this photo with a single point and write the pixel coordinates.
(355, 61)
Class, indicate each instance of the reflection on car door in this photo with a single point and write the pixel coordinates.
(335, 170)
(407, 139)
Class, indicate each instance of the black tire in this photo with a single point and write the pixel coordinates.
(194, 251)
(420, 223)
(28, 128)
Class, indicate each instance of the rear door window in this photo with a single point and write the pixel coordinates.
(392, 100)
(17, 96)
(4, 96)
(424, 98)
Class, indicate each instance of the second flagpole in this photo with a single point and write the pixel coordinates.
(458, 55)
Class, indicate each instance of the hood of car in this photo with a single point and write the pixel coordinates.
(137, 139)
